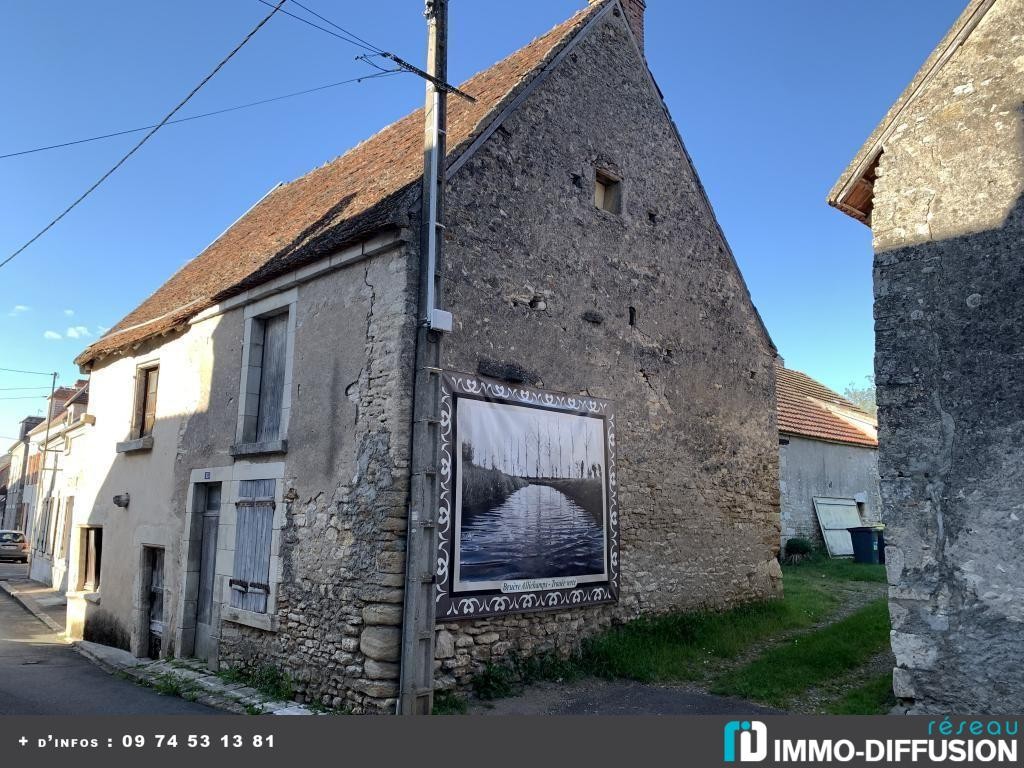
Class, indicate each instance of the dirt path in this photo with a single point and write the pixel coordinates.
(616, 697)
(853, 595)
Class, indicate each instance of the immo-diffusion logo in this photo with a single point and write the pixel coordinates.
(752, 736)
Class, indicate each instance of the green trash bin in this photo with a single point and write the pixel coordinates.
(865, 544)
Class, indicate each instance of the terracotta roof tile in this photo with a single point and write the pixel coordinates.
(810, 409)
(367, 189)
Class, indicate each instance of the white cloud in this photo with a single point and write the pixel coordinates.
(78, 332)
(53, 335)
(69, 312)
(18, 309)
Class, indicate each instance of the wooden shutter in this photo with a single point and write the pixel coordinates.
(65, 539)
(254, 523)
(93, 558)
(151, 375)
(275, 345)
(52, 523)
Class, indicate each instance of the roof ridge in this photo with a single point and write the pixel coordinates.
(807, 408)
(864, 160)
(343, 201)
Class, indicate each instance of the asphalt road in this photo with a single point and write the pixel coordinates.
(40, 675)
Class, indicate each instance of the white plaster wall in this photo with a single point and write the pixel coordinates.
(809, 468)
(155, 514)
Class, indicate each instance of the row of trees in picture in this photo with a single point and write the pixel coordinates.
(541, 452)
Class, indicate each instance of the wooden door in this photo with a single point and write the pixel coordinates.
(207, 572)
(155, 596)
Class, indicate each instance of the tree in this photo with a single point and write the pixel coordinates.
(586, 448)
(863, 397)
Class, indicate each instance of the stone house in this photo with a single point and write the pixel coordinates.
(5, 478)
(940, 183)
(29, 460)
(253, 415)
(828, 449)
(22, 476)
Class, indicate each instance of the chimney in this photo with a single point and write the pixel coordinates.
(634, 10)
(28, 424)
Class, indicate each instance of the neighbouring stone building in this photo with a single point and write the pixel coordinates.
(253, 416)
(20, 477)
(940, 182)
(828, 448)
(63, 473)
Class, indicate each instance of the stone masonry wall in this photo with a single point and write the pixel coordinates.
(340, 599)
(539, 278)
(948, 229)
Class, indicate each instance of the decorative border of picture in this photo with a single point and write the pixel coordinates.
(454, 606)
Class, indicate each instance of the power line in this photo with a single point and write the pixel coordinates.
(348, 37)
(29, 373)
(206, 114)
(20, 389)
(374, 50)
(353, 35)
(146, 138)
(25, 397)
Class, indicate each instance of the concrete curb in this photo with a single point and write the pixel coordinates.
(191, 680)
(33, 607)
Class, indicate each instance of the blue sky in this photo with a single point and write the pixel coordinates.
(772, 99)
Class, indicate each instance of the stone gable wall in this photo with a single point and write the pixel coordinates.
(948, 227)
(540, 280)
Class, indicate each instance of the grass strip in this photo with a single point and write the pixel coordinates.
(791, 668)
(875, 697)
(680, 646)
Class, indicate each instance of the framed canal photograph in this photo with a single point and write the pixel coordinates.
(529, 513)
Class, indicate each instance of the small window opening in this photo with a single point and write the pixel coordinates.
(92, 556)
(265, 381)
(145, 401)
(607, 193)
(632, 315)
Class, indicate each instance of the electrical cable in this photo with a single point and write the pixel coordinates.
(340, 28)
(29, 373)
(351, 40)
(206, 114)
(145, 138)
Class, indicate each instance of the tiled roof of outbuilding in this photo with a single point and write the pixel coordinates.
(347, 200)
(808, 408)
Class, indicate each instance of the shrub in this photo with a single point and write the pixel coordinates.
(799, 546)
(267, 679)
(495, 681)
(449, 703)
(798, 549)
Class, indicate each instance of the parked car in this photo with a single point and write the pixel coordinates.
(13, 546)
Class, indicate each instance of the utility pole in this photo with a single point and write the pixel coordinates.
(416, 694)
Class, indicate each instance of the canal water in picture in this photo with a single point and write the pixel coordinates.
(530, 496)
